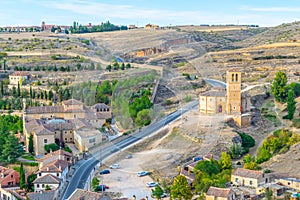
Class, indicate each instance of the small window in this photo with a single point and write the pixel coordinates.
(11, 176)
(38, 185)
(43, 185)
(236, 179)
(66, 139)
(57, 174)
(234, 107)
(236, 78)
(40, 174)
(92, 140)
(232, 78)
(45, 141)
(289, 183)
(250, 182)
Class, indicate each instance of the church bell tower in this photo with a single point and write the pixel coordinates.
(233, 88)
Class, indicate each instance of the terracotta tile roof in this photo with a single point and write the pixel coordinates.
(247, 173)
(45, 109)
(42, 130)
(19, 73)
(41, 195)
(55, 166)
(7, 173)
(218, 192)
(72, 102)
(100, 106)
(56, 153)
(214, 93)
(80, 194)
(47, 179)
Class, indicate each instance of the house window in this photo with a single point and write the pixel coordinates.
(250, 182)
(57, 174)
(236, 179)
(232, 78)
(70, 138)
(12, 176)
(43, 185)
(40, 174)
(289, 183)
(38, 185)
(234, 107)
(236, 78)
(92, 140)
(45, 141)
(66, 139)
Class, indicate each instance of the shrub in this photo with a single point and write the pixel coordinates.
(296, 122)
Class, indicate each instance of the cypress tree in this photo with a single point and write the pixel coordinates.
(22, 177)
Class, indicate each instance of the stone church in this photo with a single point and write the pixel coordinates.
(231, 101)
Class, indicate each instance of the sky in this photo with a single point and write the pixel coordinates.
(141, 12)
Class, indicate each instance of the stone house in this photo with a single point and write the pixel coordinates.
(41, 183)
(290, 183)
(249, 178)
(18, 77)
(79, 194)
(9, 178)
(57, 155)
(58, 168)
(215, 193)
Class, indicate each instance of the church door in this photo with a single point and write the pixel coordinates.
(220, 108)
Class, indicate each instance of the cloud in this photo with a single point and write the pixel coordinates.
(272, 9)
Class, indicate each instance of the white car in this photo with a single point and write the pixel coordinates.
(142, 173)
(114, 166)
(152, 184)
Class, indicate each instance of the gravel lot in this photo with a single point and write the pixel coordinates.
(125, 180)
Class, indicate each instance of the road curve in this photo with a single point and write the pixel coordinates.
(82, 171)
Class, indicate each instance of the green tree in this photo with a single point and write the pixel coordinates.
(10, 149)
(30, 144)
(95, 183)
(291, 104)
(225, 161)
(22, 177)
(122, 66)
(52, 146)
(157, 192)
(181, 189)
(47, 188)
(279, 87)
(108, 67)
(30, 179)
(143, 118)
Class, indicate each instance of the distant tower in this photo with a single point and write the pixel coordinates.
(234, 83)
(43, 26)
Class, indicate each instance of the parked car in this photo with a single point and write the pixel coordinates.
(128, 156)
(102, 187)
(105, 171)
(152, 184)
(161, 196)
(142, 173)
(114, 166)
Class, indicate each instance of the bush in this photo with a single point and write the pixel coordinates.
(296, 122)
(267, 171)
(53, 147)
(247, 141)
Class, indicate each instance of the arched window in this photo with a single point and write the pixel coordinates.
(236, 78)
(232, 79)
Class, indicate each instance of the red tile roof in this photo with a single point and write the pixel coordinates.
(218, 192)
(20, 73)
(247, 173)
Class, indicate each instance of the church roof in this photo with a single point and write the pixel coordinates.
(214, 93)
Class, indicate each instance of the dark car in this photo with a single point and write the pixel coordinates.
(102, 187)
(105, 171)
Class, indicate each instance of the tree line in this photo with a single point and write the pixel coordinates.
(103, 27)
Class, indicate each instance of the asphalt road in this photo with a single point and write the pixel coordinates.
(215, 83)
(84, 168)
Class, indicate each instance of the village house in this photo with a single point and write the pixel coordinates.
(45, 195)
(80, 194)
(47, 182)
(58, 168)
(215, 193)
(249, 178)
(292, 183)
(18, 77)
(71, 122)
(151, 26)
(9, 180)
(56, 155)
